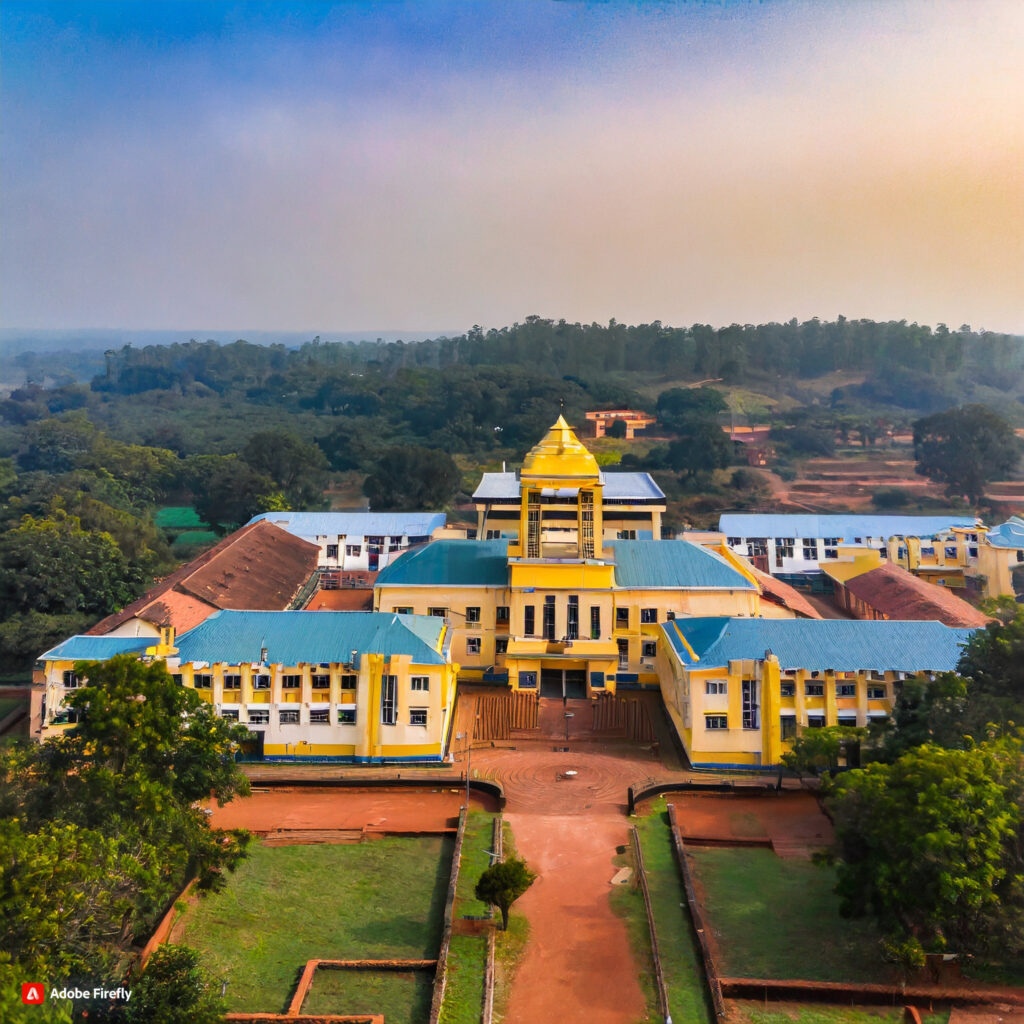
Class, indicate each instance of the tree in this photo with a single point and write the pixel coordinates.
(701, 449)
(821, 750)
(409, 478)
(924, 711)
(503, 883)
(229, 492)
(678, 408)
(965, 448)
(174, 989)
(617, 429)
(296, 466)
(930, 847)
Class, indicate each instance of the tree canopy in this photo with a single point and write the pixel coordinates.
(408, 478)
(503, 883)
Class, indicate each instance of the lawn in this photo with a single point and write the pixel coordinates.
(776, 918)
(750, 1013)
(178, 517)
(288, 904)
(403, 997)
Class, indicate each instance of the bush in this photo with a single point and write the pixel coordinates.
(890, 497)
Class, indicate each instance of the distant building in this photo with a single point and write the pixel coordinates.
(633, 419)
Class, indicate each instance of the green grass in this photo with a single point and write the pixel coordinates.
(178, 518)
(829, 1015)
(476, 841)
(402, 996)
(194, 539)
(285, 905)
(775, 918)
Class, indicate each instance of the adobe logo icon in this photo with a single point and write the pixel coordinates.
(32, 993)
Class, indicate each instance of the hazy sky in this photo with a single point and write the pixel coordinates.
(434, 165)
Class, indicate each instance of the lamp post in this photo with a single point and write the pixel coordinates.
(567, 715)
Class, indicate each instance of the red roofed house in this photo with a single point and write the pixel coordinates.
(634, 420)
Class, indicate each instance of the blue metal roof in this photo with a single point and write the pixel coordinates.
(846, 528)
(1007, 535)
(673, 563)
(317, 637)
(453, 563)
(310, 525)
(617, 487)
(844, 645)
(98, 648)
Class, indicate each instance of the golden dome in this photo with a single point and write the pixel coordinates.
(560, 455)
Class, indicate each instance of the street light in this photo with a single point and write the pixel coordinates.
(567, 715)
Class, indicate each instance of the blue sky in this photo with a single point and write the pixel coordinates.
(428, 166)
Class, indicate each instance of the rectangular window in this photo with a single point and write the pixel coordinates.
(202, 681)
(389, 700)
(846, 689)
(814, 689)
(787, 689)
(417, 716)
(788, 724)
(572, 624)
(349, 682)
(876, 693)
(232, 682)
(527, 680)
(713, 686)
(472, 645)
(420, 683)
(810, 550)
(320, 716)
(472, 615)
(288, 717)
(595, 622)
(494, 535)
(649, 649)
(734, 542)
(549, 617)
(623, 646)
(784, 547)
(973, 552)
(353, 550)
(951, 552)
(501, 614)
(621, 618)
(716, 722)
(529, 623)
(321, 682)
(404, 610)
(71, 681)
(751, 706)
(648, 615)
(259, 716)
(177, 678)
(332, 550)
(347, 716)
(291, 682)
(501, 645)
(626, 535)
(261, 682)
(757, 547)
(229, 716)
(438, 613)
(815, 721)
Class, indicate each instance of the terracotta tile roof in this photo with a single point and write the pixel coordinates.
(351, 599)
(777, 592)
(259, 567)
(899, 594)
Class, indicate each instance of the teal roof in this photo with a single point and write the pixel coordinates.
(673, 563)
(452, 563)
(98, 648)
(291, 638)
(842, 645)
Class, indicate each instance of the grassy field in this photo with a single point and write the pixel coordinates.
(775, 918)
(178, 517)
(289, 904)
(752, 1013)
(402, 996)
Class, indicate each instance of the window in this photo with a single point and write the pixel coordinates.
(846, 689)
(814, 689)
(202, 681)
(757, 547)
(259, 716)
(529, 623)
(951, 552)
(972, 552)
(501, 645)
(420, 683)
(229, 716)
(815, 721)
(349, 682)
(713, 686)
(788, 726)
(716, 722)
(595, 622)
(831, 553)
(623, 646)
(649, 649)
(784, 547)
(626, 535)
(354, 550)
(787, 689)
(501, 614)
(288, 717)
(438, 613)
(332, 550)
(71, 681)
(494, 534)
(751, 707)
(347, 716)
(572, 623)
(527, 680)
(404, 610)
(291, 682)
(810, 550)
(472, 615)
(320, 716)
(232, 682)
(321, 682)
(876, 693)
(621, 618)
(417, 716)
(472, 645)
(261, 682)
(734, 542)
(177, 678)
(549, 617)
(389, 700)
(648, 615)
